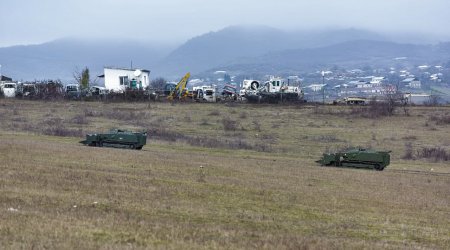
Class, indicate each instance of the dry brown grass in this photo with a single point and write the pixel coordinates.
(55, 193)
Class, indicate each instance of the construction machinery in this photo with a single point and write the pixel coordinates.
(357, 158)
(180, 91)
(229, 92)
(117, 138)
(275, 90)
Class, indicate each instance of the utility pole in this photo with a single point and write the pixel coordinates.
(323, 87)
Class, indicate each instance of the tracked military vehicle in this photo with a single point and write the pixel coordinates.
(357, 158)
(117, 138)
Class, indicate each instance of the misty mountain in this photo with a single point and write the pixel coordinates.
(357, 54)
(61, 58)
(229, 44)
(239, 49)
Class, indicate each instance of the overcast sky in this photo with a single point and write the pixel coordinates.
(36, 21)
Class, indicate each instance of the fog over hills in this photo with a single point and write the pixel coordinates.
(237, 48)
(350, 54)
(227, 45)
(59, 59)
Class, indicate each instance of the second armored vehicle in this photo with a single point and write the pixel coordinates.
(117, 138)
(357, 158)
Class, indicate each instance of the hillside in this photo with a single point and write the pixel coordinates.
(239, 49)
(227, 45)
(60, 58)
(198, 184)
(356, 54)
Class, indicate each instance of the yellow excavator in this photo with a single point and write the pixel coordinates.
(180, 91)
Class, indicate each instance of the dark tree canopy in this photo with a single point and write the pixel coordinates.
(84, 83)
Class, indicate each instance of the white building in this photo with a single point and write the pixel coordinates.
(118, 79)
(361, 84)
(377, 81)
(413, 83)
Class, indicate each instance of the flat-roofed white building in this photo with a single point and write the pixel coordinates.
(412, 82)
(119, 79)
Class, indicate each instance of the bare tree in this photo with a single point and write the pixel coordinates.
(158, 83)
(387, 104)
(85, 78)
(434, 100)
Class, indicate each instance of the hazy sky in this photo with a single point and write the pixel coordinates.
(35, 21)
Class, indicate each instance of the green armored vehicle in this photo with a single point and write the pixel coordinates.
(117, 138)
(357, 158)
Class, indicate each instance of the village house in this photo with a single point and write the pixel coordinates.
(412, 82)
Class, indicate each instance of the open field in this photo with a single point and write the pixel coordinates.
(219, 176)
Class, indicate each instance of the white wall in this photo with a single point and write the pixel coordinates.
(112, 78)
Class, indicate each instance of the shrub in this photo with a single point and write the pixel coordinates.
(80, 119)
(434, 153)
(434, 100)
(230, 124)
(132, 95)
(55, 126)
(231, 104)
(243, 115)
(326, 138)
(124, 115)
(205, 122)
(214, 113)
(89, 113)
(410, 137)
(15, 111)
(408, 152)
(382, 108)
(257, 125)
(378, 107)
(440, 120)
(161, 133)
(62, 131)
(187, 119)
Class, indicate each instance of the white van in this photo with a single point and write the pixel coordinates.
(10, 89)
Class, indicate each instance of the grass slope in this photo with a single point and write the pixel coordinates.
(227, 191)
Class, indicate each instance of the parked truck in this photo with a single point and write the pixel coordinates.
(205, 93)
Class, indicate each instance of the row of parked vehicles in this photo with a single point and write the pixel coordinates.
(49, 88)
(273, 90)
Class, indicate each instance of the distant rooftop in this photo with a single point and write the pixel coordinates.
(5, 78)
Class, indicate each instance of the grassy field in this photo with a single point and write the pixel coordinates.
(232, 176)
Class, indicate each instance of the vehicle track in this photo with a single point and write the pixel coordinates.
(416, 172)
